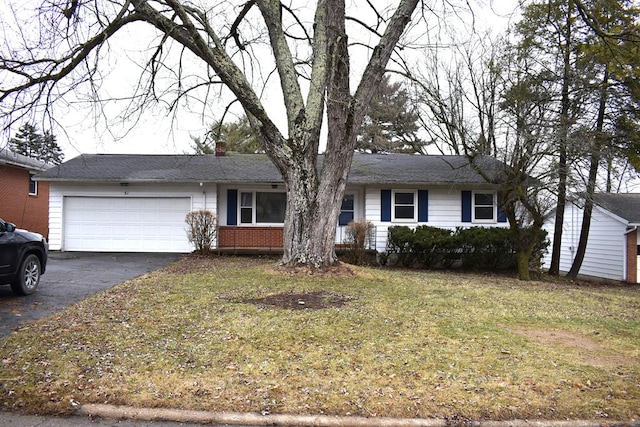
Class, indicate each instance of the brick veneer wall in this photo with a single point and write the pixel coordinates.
(250, 237)
(30, 212)
(632, 257)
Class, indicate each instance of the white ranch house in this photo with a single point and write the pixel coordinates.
(138, 203)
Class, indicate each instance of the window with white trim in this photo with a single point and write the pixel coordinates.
(404, 206)
(262, 207)
(33, 185)
(484, 206)
(246, 208)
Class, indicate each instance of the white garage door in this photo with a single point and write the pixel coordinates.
(126, 224)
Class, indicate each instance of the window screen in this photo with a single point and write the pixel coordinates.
(404, 205)
(483, 206)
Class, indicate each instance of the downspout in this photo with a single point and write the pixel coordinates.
(575, 214)
(204, 204)
(626, 257)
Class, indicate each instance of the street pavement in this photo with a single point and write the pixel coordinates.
(9, 419)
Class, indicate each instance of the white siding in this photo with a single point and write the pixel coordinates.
(445, 211)
(605, 255)
(201, 197)
(372, 213)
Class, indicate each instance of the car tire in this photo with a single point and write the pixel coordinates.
(28, 277)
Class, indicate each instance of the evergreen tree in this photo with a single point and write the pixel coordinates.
(236, 136)
(31, 143)
(391, 124)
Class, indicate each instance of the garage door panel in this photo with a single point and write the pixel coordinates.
(126, 224)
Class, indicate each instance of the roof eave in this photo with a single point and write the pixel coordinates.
(30, 168)
(158, 181)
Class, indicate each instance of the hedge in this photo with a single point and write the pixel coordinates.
(474, 248)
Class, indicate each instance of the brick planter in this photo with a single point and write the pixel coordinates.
(250, 237)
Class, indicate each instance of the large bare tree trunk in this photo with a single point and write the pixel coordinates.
(596, 146)
(314, 200)
(554, 267)
(312, 212)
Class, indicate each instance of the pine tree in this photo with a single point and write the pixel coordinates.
(236, 136)
(31, 143)
(391, 125)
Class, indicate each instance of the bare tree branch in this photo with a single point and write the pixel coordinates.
(50, 71)
(233, 32)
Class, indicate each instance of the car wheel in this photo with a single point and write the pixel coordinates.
(28, 276)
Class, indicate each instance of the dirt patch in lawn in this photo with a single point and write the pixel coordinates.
(302, 301)
(589, 351)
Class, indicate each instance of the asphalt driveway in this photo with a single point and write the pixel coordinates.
(72, 277)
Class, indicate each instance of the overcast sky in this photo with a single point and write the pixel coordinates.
(158, 130)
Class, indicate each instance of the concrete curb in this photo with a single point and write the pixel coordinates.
(253, 419)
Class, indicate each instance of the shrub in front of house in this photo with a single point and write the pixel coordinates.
(486, 248)
(474, 248)
(201, 229)
(424, 246)
(358, 237)
(433, 246)
(400, 240)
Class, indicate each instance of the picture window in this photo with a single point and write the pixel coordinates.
(262, 207)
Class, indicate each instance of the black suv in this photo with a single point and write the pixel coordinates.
(23, 258)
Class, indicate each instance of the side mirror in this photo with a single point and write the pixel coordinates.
(10, 227)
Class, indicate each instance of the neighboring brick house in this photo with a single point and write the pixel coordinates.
(23, 201)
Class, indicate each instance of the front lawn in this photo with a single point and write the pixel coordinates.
(232, 334)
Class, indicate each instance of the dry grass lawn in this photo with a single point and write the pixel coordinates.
(235, 334)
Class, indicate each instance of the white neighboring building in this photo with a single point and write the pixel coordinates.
(614, 244)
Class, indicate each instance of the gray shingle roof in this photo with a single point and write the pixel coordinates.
(415, 169)
(625, 205)
(257, 168)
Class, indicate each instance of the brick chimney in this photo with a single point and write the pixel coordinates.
(221, 149)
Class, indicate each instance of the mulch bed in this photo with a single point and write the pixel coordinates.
(302, 301)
